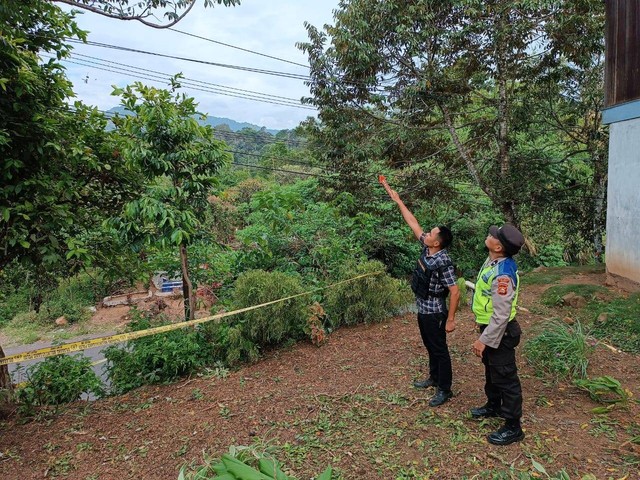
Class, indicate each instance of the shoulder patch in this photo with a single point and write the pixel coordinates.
(503, 285)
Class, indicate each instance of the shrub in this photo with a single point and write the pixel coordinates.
(58, 380)
(71, 298)
(72, 309)
(278, 322)
(367, 300)
(158, 358)
(551, 255)
(315, 324)
(13, 302)
(17, 287)
(559, 351)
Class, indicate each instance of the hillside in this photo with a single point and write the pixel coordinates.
(233, 125)
(350, 404)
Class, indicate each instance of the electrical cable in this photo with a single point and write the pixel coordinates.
(236, 47)
(293, 76)
(91, 59)
(187, 85)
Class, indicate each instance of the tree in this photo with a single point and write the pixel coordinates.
(143, 11)
(178, 158)
(59, 177)
(570, 90)
(431, 75)
(56, 170)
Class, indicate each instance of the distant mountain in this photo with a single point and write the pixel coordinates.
(234, 125)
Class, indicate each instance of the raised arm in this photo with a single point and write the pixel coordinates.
(406, 213)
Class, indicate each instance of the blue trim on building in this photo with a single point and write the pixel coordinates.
(622, 112)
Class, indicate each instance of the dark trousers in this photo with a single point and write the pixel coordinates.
(502, 385)
(434, 337)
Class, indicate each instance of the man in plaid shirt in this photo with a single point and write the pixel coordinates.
(434, 319)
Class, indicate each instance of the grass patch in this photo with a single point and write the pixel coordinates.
(540, 278)
(622, 326)
(24, 328)
(553, 296)
(559, 351)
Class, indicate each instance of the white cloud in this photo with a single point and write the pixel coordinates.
(272, 28)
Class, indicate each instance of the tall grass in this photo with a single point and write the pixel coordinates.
(559, 351)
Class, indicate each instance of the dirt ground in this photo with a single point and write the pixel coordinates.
(348, 403)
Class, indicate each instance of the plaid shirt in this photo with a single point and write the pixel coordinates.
(438, 282)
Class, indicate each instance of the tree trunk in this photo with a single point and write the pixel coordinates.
(187, 287)
(462, 151)
(509, 212)
(5, 378)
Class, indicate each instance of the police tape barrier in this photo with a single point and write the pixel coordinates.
(124, 337)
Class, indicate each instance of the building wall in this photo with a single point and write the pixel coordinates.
(623, 201)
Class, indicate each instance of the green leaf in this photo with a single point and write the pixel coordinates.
(538, 467)
(272, 469)
(242, 470)
(327, 474)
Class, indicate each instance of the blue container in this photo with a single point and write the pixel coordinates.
(169, 285)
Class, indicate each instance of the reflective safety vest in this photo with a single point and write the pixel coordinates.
(482, 301)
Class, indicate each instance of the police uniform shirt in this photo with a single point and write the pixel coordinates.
(502, 296)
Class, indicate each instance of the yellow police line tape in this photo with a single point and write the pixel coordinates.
(123, 337)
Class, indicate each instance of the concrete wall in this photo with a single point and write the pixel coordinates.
(623, 201)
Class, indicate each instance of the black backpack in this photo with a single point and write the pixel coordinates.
(421, 278)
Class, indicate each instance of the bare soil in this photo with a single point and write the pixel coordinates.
(348, 403)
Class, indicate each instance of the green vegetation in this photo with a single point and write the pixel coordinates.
(472, 129)
(57, 380)
(560, 351)
(239, 465)
(608, 316)
(540, 278)
(371, 299)
(240, 338)
(553, 296)
(605, 390)
(621, 326)
(155, 359)
(177, 159)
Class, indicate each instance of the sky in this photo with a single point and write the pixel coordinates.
(272, 28)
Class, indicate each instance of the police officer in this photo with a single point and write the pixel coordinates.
(494, 307)
(433, 280)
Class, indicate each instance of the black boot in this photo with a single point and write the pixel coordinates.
(426, 383)
(486, 411)
(511, 432)
(440, 397)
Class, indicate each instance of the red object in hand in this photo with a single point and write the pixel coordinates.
(382, 179)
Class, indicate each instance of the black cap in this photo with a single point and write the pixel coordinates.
(509, 236)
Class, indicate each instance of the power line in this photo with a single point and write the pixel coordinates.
(277, 169)
(268, 141)
(274, 157)
(146, 70)
(237, 48)
(188, 85)
(293, 76)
